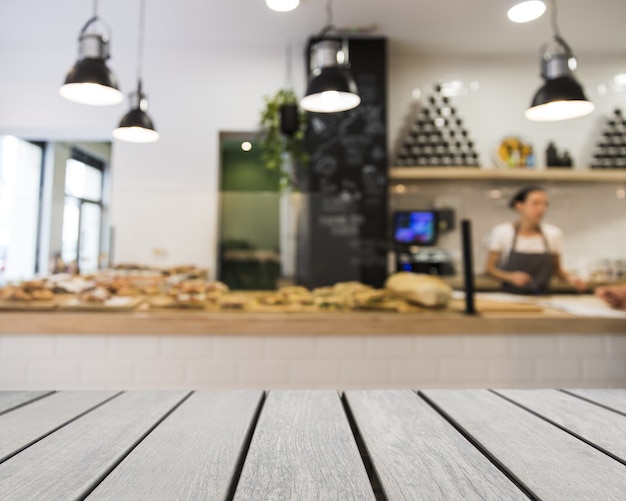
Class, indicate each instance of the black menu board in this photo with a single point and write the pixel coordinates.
(343, 235)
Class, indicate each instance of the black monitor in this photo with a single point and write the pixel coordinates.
(417, 227)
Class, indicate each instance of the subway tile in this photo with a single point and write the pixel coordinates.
(604, 372)
(581, 345)
(463, 370)
(25, 346)
(54, 374)
(209, 374)
(134, 347)
(415, 372)
(264, 374)
(237, 347)
(560, 370)
(314, 372)
(389, 346)
(13, 375)
(288, 347)
(617, 345)
(535, 345)
(186, 347)
(488, 345)
(439, 345)
(77, 346)
(107, 374)
(339, 346)
(365, 371)
(509, 372)
(159, 374)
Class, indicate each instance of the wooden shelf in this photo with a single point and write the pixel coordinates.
(482, 174)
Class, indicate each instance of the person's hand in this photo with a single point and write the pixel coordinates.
(578, 283)
(519, 278)
(614, 295)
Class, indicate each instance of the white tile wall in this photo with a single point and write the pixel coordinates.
(420, 361)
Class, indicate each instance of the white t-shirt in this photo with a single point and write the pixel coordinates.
(502, 239)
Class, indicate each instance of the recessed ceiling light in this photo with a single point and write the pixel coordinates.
(529, 10)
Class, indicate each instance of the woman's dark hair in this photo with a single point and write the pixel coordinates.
(522, 195)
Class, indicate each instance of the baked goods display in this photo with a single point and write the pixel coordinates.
(126, 288)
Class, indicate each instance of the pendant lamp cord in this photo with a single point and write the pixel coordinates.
(142, 27)
(289, 67)
(555, 27)
(329, 12)
(95, 8)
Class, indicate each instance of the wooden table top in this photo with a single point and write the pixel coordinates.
(314, 444)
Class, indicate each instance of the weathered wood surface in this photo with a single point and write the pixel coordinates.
(71, 461)
(303, 448)
(27, 424)
(613, 398)
(11, 399)
(548, 461)
(603, 428)
(193, 454)
(417, 454)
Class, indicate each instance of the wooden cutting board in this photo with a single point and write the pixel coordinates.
(28, 305)
(494, 306)
(124, 303)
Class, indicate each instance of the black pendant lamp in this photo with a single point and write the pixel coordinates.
(561, 97)
(90, 81)
(136, 126)
(331, 88)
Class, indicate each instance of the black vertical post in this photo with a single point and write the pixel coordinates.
(468, 266)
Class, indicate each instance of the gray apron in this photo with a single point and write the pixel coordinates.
(539, 266)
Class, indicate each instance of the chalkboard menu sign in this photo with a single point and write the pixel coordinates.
(343, 235)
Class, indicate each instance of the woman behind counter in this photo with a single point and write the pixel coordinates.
(526, 254)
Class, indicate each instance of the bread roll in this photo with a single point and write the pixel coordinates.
(425, 290)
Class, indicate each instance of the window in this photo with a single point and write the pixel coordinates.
(20, 188)
(82, 214)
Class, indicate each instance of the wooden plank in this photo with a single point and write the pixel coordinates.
(23, 426)
(209, 430)
(613, 398)
(303, 448)
(11, 399)
(71, 461)
(550, 462)
(603, 428)
(417, 454)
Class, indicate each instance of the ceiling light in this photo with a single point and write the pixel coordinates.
(90, 81)
(246, 146)
(561, 97)
(525, 11)
(136, 126)
(331, 88)
(282, 5)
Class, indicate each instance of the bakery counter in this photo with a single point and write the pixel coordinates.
(507, 345)
(485, 283)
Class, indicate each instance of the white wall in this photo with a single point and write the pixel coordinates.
(164, 194)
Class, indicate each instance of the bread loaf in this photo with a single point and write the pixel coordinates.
(425, 290)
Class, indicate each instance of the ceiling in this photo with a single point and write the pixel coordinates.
(459, 27)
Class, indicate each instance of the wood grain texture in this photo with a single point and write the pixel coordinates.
(303, 448)
(614, 398)
(193, 454)
(417, 454)
(299, 324)
(26, 425)
(601, 427)
(550, 462)
(11, 399)
(66, 464)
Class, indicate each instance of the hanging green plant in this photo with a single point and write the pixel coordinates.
(283, 126)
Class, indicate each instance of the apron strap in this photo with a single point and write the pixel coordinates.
(543, 237)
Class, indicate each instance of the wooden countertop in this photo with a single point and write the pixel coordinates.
(314, 444)
(164, 322)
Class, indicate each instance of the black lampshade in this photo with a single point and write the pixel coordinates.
(136, 126)
(331, 88)
(90, 81)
